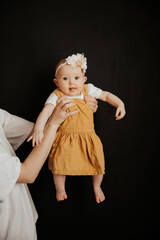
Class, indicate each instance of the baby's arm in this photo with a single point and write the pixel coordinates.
(115, 101)
(37, 133)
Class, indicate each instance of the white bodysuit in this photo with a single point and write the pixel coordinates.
(92, 91)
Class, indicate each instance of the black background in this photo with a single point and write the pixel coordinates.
(121, 42)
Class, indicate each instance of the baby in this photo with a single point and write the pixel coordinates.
(77, 150)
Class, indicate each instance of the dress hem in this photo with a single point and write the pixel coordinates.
(74, 173)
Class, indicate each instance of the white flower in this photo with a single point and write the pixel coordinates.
(77, 60)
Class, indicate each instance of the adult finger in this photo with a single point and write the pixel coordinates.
(64, 99)
(92, 102)
(93, 106)
(68, 105)
(89, 98)
(72, 113)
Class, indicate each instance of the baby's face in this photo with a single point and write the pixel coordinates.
(70, 80)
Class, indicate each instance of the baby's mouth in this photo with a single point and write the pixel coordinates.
(72, 89)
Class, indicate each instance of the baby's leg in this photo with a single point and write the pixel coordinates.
(59, 181)
(99, 195)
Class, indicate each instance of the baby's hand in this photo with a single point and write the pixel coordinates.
(120, 112)
(36, 137)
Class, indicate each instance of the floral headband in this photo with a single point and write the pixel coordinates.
(76, 60)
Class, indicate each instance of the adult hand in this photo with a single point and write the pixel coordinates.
(59, 113)
(92, 102)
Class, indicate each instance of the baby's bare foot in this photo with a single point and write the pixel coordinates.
(99, 195)
(61, 195)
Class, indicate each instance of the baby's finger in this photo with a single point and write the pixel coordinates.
(33, 142)
(37, 141)
(117, 112)
(121, 115)
(30, 138)
(40, 140)
(118, 117)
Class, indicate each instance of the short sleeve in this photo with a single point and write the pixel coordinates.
(52, 99)
(94, 91)
(16, 129)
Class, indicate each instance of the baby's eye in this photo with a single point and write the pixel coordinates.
(65, 78)
(76, 77)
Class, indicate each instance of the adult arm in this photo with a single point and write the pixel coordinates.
(32, 165)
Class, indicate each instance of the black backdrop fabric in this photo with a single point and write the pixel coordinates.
(121, 42)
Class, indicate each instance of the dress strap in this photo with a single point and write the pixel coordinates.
(58, 92)
(85, 89)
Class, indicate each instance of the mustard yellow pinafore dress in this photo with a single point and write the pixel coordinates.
(77, 150)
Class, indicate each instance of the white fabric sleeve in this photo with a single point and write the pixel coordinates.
(10, 167)
(52, 99)
(94, 91)
(16, 129)
(13, 131)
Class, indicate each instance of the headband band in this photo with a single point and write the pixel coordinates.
(60, 67)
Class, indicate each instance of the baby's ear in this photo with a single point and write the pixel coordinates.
(85, 79)
(55, 81)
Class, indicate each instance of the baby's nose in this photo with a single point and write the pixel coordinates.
(71, 80)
